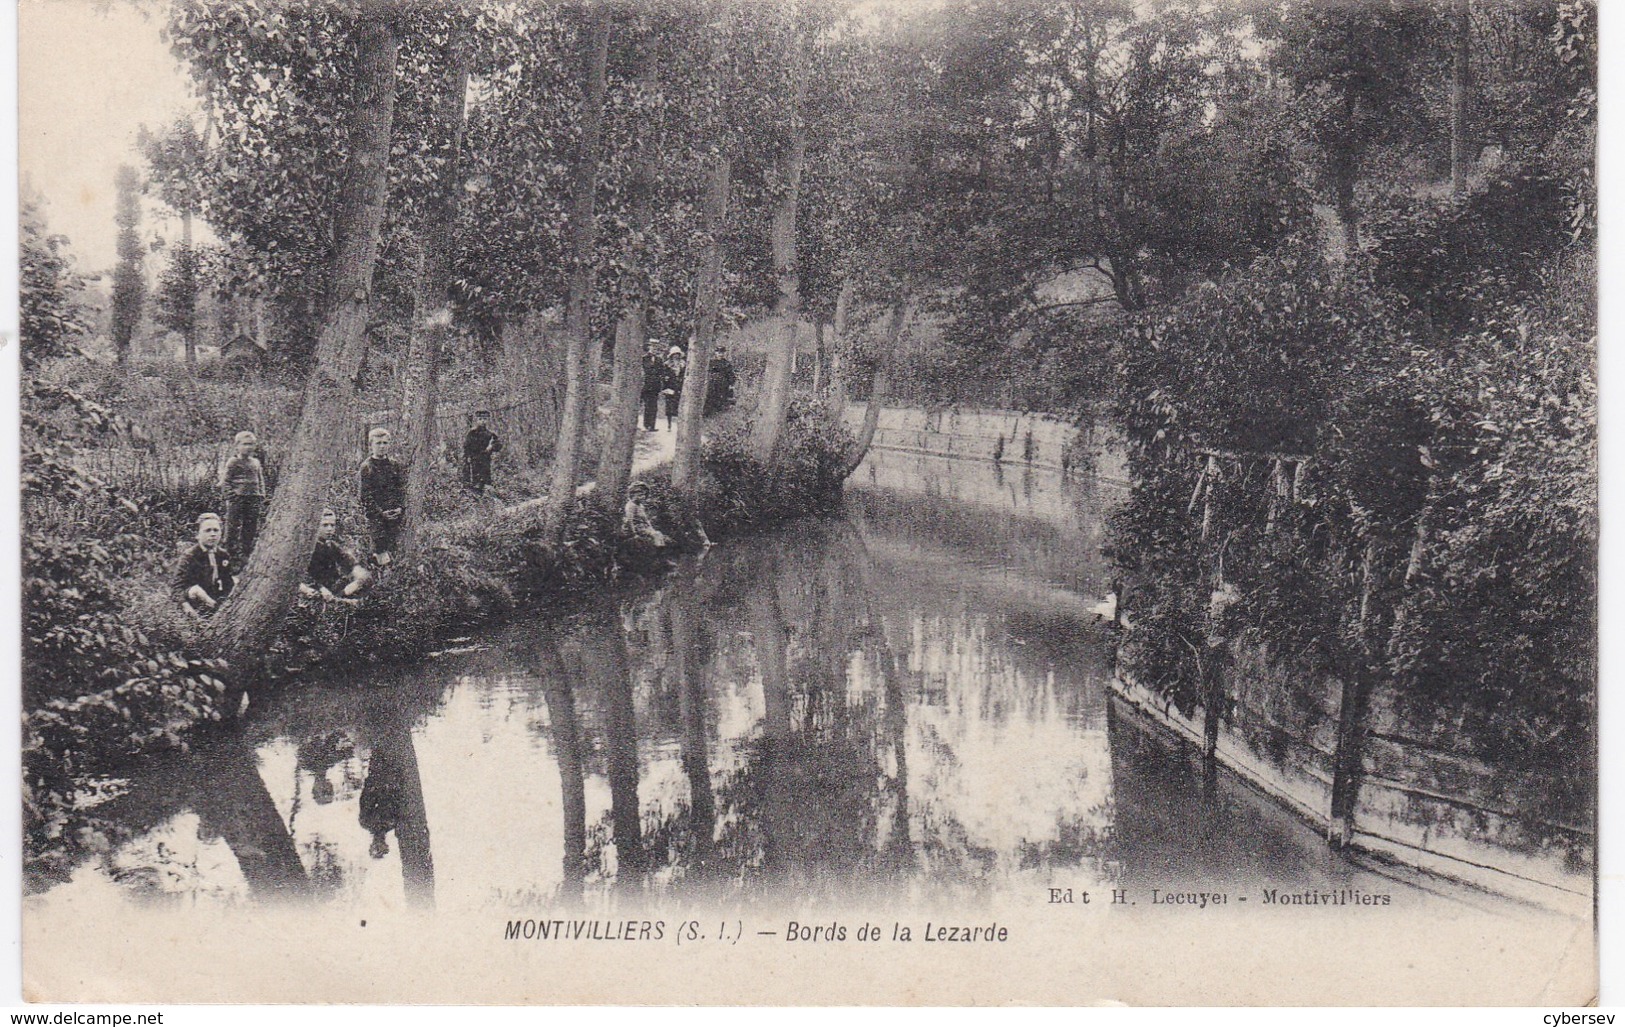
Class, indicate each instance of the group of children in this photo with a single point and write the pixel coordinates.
(208, 570)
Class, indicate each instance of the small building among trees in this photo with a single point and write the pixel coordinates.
(243, 355)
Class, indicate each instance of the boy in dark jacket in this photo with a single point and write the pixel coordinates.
(205, 574)
(383, 495)
(333, 572)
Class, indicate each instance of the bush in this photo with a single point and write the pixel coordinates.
(1448, 399)
(97, 688)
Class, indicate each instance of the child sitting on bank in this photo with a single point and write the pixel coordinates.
(635, 520)
(206, 573)
(333, 573)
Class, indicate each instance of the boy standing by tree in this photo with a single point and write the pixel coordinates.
(243, 482)
(205, 574)
(478, 447)
(383, 495)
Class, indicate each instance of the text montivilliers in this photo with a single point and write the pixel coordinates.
(1335, 897)
(585, 930)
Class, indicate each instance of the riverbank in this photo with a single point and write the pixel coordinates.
(469, 572)
(884, 711)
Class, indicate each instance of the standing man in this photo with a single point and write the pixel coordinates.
(243, 482)
(478, 447)
(383, 495)
(654, 379)
(205, 574)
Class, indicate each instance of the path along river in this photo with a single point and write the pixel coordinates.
(902, 707)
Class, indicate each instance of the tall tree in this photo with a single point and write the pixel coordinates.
(129, 284)
(432, 302)
(1356, 72)
(620, 429)
(1461, 78)
(578, 393)
(781, 357)
(248, 616)
(177, 159)
(685, 467)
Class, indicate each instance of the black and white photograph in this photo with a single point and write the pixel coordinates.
(809, 502)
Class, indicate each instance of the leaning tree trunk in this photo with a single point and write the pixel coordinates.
(578, 318)
(631, 331)
(685, 467)
(250, 615)
(431, 302)
(781, 359)
(878, 388)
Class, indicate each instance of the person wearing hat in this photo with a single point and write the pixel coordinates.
(676, 369)
(205, 574)
(478, 446)
(654, 380)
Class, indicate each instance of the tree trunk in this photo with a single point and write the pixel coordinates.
(820, 357)
(688, 664)
(189, 337)
(878, 388)
(248, 618)
(838, 351)
(625, 392)
(578, 389)
(431, 302)
(685, 468)
(1460, 94)
(781, 359)
(604, 647)
(631, 330)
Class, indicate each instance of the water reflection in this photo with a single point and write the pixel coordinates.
(902, 704)
(232, 804)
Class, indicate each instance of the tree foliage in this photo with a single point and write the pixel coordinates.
(49, 321)
(129, 282)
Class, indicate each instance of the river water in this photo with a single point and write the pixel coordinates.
(878, 726)
(904, 705)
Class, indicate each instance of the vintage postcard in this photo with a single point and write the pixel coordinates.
(809, 502)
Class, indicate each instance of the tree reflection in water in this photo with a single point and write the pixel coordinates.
(561, 710)
(851, 711)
